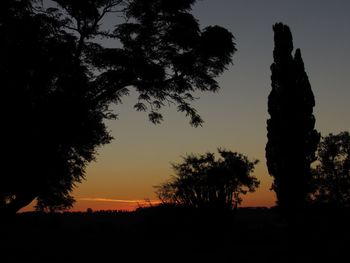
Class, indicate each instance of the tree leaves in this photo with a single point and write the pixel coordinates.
(292, 139)
(63, 80)
(331, 176)
(201, 181)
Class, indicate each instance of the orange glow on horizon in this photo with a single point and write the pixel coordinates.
(144, 201)
(98, 203)
(107, 204)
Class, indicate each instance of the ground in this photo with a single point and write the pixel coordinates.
(176, 235)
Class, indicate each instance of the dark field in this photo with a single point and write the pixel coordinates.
(176, 235)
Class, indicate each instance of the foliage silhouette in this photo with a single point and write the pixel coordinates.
(292, 139)
(58, 82)
(331, 176)
(201, 181)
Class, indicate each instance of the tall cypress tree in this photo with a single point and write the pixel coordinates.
(292, 139)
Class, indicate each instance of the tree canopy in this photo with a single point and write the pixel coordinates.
(292, 139)
(59, 80)
(201, 181)
(331, 177)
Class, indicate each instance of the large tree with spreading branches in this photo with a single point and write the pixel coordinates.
(58, 82)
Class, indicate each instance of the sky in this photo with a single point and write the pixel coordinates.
(140, 156)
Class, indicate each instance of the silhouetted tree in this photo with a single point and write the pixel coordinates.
(331, 177)
(204, 182)
(292, 139)
(58, 82)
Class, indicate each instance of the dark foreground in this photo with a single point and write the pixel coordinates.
(176, 235)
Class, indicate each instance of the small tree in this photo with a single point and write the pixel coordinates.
(201, 181)
(292, 139)
(331, 178)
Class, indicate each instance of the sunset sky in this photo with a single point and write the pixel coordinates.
(235, 118)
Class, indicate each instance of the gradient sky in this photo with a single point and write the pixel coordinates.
(235, 118)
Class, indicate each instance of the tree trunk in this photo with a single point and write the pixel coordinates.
(9, 211)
